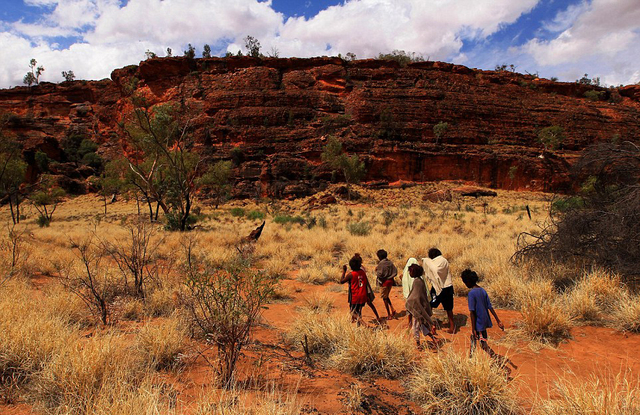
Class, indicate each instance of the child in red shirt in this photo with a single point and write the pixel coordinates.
(357, 280)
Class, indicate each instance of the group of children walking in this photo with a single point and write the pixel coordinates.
(420, 300)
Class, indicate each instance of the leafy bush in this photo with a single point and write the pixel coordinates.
(237, 212)
(402, 57)
(223, 304)
(173, 221)
(256, 215)
(594, 95)
(359, 228)
(286, 219)
(551, 137)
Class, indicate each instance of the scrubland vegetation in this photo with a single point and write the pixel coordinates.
(105, 314)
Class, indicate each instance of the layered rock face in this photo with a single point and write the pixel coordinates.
(274, 116)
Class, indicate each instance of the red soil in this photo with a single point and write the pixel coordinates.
(592, 350)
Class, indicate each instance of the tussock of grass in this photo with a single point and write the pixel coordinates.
(318, 303)
(618, 396)
(594, 296)
(161, 343)
(76, 377)
(161, 302)
(352, 349)
(272, 401)
(318, 273)
(626, 315)
(447, 383)
(544, 319)
(30, 335)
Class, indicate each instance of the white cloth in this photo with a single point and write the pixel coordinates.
(437, 272)
(407, 281)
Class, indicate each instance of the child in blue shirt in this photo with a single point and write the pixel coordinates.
(479, 309)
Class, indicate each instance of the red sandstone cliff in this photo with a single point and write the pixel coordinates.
(279, 112)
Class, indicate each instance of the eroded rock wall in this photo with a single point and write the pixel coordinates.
(275, 115)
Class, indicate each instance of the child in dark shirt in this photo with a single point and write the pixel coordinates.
(479, 309)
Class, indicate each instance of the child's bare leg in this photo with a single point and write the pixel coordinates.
(393, 310)
(452, 325)
(370, 304)
(474, 341)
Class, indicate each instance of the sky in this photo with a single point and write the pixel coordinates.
(552, 38)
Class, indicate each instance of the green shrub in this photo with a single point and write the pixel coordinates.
(237, 212)
(567, 203)
(551, 137)
(255, 215)
(285, 219)
(359, 228)
(594, 95)
(173, 221)
(43, 221)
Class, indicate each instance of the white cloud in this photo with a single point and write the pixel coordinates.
(603, 39)
(602, 36)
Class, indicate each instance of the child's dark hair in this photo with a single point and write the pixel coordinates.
(470, 278)
(434, 253)
(382, 254)
(415, 271)
(355, 263)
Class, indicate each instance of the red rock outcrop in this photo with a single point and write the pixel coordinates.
(275, 116)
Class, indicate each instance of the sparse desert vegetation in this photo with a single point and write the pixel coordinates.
(106, 314)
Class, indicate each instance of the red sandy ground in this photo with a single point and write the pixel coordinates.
(592, 350)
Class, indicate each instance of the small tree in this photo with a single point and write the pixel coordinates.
(206, 51)
(88, 279)
(439, 130)
(551, 137)
(223, 304)
(190, 52)
(136, 255)
(217, 179)
(161, 159)
(352, 168)
(33, 76)
(68, 76)
(150, 55)
(46, 201)
(12, 173)
(252, 45)
(111, 181)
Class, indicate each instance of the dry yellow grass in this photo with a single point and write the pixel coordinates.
(448, 383)
(544, 319)
(233, 402)
(77, 375)
(161, 343)
(353, 349)
(619, 395)
(112, 373)
(594, 297)
(317, 303)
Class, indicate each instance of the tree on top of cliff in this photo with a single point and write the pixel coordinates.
(161, 158)
(402, 57)
(252, 45)
(33, 76)
(351, 167)
(206, 51)
(190, 53)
